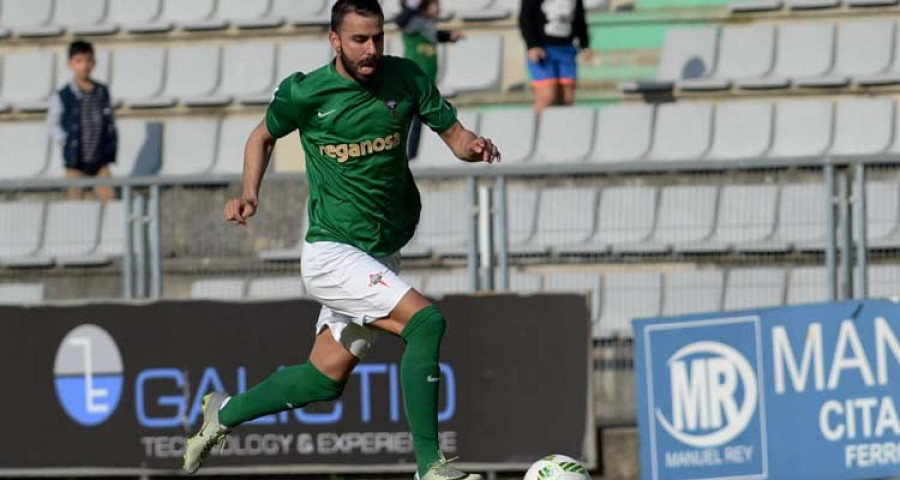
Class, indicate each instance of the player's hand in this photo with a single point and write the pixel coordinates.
(239, 209)
(587, 55)
(537, 54)
(484, 149)
(456, 36)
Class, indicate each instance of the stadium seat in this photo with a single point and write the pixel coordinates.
(863, 126)
(302, 56)
(441, 284)
(804, 51)
(232, 289)
(21, 293)
(138, 16)
(752, 6)
(444, 224)
(693, 291)
(683, 131)
(522, 283)
(565, 135)
(189, 145)
(812, 4)
(624, 133)
(72, 230)
(580, 282)
(750, 288)
(565, 216)
(884, 282)
(514, 129)
(686, 216)
(743, 130)
(303, 12)
(248, 75)
(233, 134)
(628, 296)
(882, 214)
(140, 147)
(192, 73)
(870, 3)
(139, 75)
(434, 153)
(625, 216)
(30, 18)
(193, 14)
(521, 222)
(477, 10)
(746, 51)
(112, 235)
(21, 228)
(248, 13)
(475, 63)
(25, 149)
(276, 288)
(890, 75)
(807, 285)
(746, 215)
(863, 49)
(802, 218)
(28, 80)
(803, 128)
(83, 17)
(688, 54)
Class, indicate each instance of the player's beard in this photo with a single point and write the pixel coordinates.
(352, 68)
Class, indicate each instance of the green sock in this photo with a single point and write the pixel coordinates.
(419, 370)
(286, 389)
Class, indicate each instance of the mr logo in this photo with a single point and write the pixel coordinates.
(705, 412)
(705, 408)
(88, 375)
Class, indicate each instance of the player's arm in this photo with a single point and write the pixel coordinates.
(257, 152)
(469, 147)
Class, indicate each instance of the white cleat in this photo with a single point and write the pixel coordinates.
(212, 433)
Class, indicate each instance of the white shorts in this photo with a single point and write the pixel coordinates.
(354, 288)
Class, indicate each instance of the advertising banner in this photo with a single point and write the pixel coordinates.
(807, 392)
(116, 387)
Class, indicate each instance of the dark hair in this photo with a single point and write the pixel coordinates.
(366, 8)
(79, 47)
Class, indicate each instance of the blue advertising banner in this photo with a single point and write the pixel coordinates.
(807, 392)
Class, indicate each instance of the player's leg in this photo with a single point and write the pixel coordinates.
(74, 193)
(321, 378)
(567, 59)
(543, 83)
(104, 194)
(421, 326)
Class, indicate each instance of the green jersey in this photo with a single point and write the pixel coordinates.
(361, 191)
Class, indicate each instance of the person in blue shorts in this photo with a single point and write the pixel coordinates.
(550, 29)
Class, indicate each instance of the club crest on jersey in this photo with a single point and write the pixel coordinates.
(377, 279)
(392, 106)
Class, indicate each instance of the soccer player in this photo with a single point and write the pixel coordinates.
(353, 116)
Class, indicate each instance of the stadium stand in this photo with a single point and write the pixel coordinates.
(21, 293)
(226, 289)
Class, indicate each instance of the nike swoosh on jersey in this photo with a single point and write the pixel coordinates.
(325, 114)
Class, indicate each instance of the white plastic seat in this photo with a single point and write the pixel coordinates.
(226, 289)
(513, 129)
(808, 285)
(565, 217)
(28, 79)
(474, 64)
(139, 75)
(276, 288)
(21, 229)
(693, 291)
(192, 74)
(565, 135)
(683, 131)
(628, 296)
(138, 16)
(233, 134)
(686, 216)
(26, 149)
(30, 18)
(751, 288)
(624, 133)
(189, 145)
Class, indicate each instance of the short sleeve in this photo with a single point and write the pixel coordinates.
(435, 111)
(283, 114)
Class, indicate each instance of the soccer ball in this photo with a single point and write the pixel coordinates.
(557, 467)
